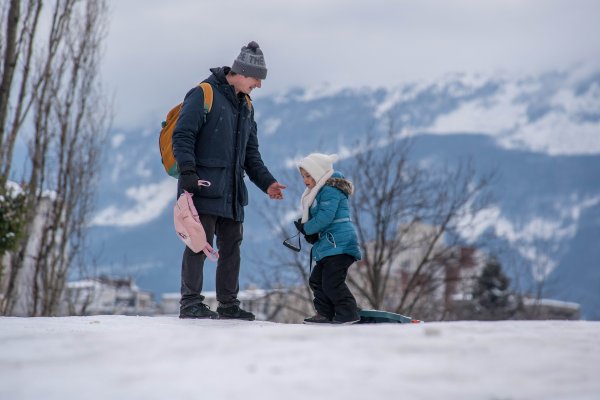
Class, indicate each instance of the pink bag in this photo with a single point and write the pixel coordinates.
(188, 226)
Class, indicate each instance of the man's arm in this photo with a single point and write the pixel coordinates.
(255, 167)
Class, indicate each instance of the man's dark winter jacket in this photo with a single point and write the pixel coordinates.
(221, 148)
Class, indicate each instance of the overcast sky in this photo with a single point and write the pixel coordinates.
(156, 50)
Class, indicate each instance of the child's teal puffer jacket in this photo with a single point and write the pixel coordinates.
(329, 216)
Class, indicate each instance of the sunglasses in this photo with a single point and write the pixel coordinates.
(288, 243)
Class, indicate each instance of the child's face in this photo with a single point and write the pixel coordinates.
(308, 180)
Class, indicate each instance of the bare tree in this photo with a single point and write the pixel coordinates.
(69, 119)
(10, 54)
(17, 97)
(20, 46)
(408, 218)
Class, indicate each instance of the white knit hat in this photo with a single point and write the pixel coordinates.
(317, 164)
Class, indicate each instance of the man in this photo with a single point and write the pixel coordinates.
(220, 147)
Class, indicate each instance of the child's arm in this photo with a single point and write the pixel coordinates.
(325, 213)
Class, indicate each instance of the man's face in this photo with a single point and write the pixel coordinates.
(246, 84)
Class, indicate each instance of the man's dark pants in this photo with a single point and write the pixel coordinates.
(229, 239)
(333, 299)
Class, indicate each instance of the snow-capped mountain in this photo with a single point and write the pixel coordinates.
(542, 135)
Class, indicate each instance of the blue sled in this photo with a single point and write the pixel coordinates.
(377, 317)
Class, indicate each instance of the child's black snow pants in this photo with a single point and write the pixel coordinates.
(333, 299)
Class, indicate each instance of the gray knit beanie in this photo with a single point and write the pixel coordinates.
(250, 62)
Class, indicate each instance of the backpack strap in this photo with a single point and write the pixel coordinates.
(208, 96)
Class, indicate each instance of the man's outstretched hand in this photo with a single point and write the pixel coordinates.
(275, 191)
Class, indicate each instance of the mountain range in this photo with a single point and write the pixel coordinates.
(541, 134)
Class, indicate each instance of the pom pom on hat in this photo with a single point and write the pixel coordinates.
(317, 164)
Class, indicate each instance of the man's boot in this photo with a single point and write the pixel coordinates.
(234, 312)
(198, 311)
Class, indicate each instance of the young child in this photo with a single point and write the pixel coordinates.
(326, 223)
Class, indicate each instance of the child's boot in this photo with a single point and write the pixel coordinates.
(317, 319)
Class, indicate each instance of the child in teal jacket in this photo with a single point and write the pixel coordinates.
(326, 223)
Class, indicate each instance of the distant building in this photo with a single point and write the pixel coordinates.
(525, 308)
(544, 309)
(426, 266)
(462, 267)
(105, 295)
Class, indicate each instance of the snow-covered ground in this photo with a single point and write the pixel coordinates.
(119, 357)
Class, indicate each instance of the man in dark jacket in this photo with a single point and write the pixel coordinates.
(221, 146)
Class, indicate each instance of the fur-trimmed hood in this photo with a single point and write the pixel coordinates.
(342, 184)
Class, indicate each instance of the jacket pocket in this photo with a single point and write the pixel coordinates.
(215, 171)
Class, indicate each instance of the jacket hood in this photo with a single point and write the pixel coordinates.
(220, 73)
(218, 78)
(338, 181)
(219, 81)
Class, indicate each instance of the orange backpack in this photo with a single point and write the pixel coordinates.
(165, 140)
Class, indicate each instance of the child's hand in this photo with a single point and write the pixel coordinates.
(300, 226)
(312, 239)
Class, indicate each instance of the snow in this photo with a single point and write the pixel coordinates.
(551, 303)
(117, 357)
(526, 235)
(14, 189)
(560, 131)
